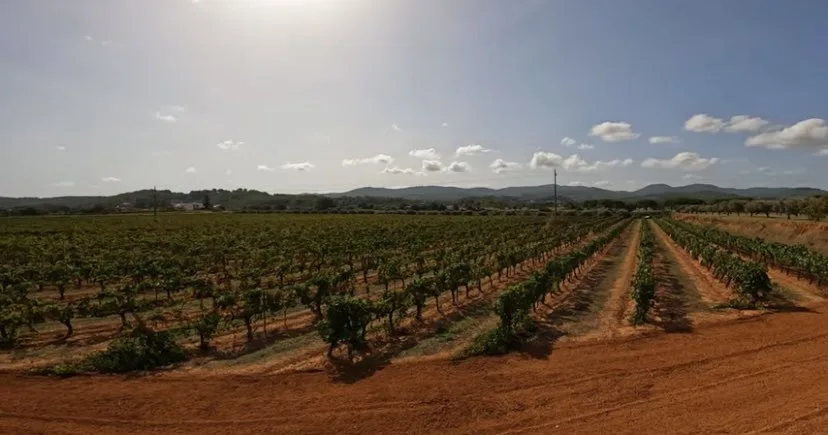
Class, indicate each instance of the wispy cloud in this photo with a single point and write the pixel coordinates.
(428, 154)
(229, 145)
(664, 139)
(399, 171)
(568, 141)
(60, 148)
(471, 150)
(190, 170)
(264, 168)
(110, 179)
(165, 118)
(445, 124)
(304, 166)
(395, 127)
(92, 40)
(686, 161)
(377, 159)
(585, 146)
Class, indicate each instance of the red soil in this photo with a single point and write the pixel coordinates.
(768, 373)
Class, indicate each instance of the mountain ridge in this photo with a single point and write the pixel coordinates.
(246, 197)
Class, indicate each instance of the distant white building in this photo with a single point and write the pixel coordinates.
(188, 206)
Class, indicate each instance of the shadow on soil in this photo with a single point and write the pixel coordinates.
(388, 347)
(671, 309)
(568, 308)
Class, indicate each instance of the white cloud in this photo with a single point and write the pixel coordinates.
(399, 171)
(603, 183)
(692, 177)
(265, 168)
(110, 180)
(458, 167)
(60, 148)
(585, 146)
(822, 152)
(808, 133)
(685, 161)
(432, 166)
(428, 154)
(377, 159)
(568, 141)
(501, 165)
(190, 170)
(664, 139)
(445, 124)
(614, 131)
(229, 145)
(745, 124)
(542, 159)
(470, 150)
(165, 118)
(63, 184)
(93, 40)
(704, 123)
(176, 108)
(395, 127)
(304, 166)
(576, 183)
(575, 163)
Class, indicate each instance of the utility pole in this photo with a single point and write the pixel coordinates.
(555, 172)
(155, 203)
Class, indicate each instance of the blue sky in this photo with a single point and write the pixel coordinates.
(101, 97)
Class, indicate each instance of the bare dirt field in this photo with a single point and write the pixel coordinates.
(763, 374)
(808, 233)
(695, 368)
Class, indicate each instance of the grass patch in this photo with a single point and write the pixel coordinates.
(140, 349)
(281, 346)
(499, 341)
(448, 334)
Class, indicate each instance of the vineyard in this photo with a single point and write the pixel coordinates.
(203, 278)
(346, 295)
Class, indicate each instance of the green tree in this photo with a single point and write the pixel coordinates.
(346, 321)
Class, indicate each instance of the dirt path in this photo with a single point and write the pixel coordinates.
(575, 312)
(711, 290)
(764, 374)
(615, 312)
(674, 300)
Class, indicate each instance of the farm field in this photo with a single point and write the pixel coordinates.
(776, 229)
(610, 322)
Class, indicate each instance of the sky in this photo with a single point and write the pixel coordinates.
(102, 97)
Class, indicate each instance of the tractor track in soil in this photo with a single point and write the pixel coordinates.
(765, 374)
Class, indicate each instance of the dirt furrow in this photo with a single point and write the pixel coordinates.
(711, 290)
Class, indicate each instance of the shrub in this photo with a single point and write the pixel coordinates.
(139, 349)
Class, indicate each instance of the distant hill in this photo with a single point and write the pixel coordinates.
(247, 198)
(581, 193)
